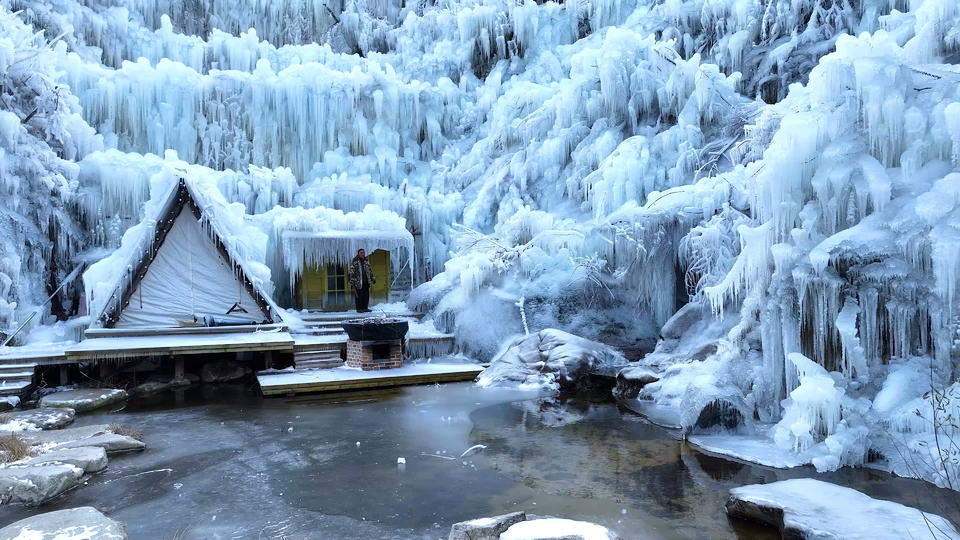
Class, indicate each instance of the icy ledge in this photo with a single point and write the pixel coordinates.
(807, 508)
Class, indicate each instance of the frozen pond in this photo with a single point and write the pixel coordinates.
(223, 462)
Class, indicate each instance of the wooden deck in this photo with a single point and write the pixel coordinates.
(290, 382)
(177, 344)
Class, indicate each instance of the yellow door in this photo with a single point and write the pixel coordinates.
(380, 266)
(327, 287)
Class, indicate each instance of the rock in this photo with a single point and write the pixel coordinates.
(151, 387)
(808, 508)
(632, 379)
(548, 360)
(43, 418)
(226, 371)
(489, 528)
(89, 458)
(111, 442)
(34, 484)
(96, 435)
(557, 529)
(60, 436)
(9, 403)
(84, 523)
(683, 320)
(84, 399)
(719, 412)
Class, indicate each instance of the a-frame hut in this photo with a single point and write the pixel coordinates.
(184, 275)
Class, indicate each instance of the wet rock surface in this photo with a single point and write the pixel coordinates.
(75, 523)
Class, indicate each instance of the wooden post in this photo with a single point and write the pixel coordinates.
(64, 375)
(268, 359)
(178, 368)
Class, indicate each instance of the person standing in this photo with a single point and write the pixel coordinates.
(361, 277)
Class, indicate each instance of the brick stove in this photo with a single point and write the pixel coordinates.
(370, 355)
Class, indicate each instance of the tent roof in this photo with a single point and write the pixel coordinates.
(139, 260)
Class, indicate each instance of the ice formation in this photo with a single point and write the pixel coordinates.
(789, 167)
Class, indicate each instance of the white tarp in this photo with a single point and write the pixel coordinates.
(188, 277)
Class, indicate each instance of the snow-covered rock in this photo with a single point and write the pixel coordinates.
(808, 508)
(549, 360)
(84, 399)
(34, 484)
(150, 387)
(632, 379)
(488, 528)
(557, 529)
(113, 443)
(225, 371)
(89, 458)
(43, 417)
(99, 435)
(84, 523)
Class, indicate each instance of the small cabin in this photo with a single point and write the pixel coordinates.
(318, 264)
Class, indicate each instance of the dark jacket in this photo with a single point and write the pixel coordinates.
(356, 267)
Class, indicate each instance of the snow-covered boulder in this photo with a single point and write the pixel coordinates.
(488, 528)
(84, 399)
(557, 529)
(549, 360)
(100, 435)
(808, 508)
(34, 484)
(42, 418)
(150, 387)
(214, 372)
(89, 458)
(84, 523)
(632, 379)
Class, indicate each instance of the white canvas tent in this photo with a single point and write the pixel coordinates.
(186, 276)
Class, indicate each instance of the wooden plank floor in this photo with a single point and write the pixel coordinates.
(344, 379)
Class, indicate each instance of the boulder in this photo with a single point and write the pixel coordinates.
(84, 399)
(489, 528)
(43, 418)
(84, 523)
(34, 484)
(630, 380)
(89, 458)
(684, 320)
(808, 508)
(151, 387)
(96, 435)
(226, 371)
(548, 360)
(9, 403)
(112, 443)
(557, 529)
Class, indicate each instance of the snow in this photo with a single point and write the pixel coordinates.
(813, 508)
(556, 528)
(344, 373)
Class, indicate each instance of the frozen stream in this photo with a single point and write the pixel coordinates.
(224, 463)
